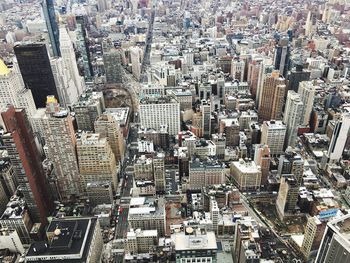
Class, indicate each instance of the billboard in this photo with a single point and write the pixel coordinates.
(328, 213)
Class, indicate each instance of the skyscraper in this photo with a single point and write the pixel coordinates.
(29, 172)
(96, 160)
(307, 95)
(206, 119)
(273, 134)
(13, 91)
(112, 63)
(60, 144)
(287, 195)
(83, 47)
(272, 97)
(69, 59)
(339, 138)
(52, 27)
(292, 117)
(335, 246)
(35, 67)
(109, 128)
(282, 56)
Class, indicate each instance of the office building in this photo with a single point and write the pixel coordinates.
(246, 175)
(135, 55)
(103, 5)
(206, 119)
(246, 229)
(88, 108)
(69, 239)
(82, 43)
(143, 169)
(237, 69)
(195, 245)
(13, 91)
(205, 173)
(99, 193)
(262, 158)
(282, 56)
(314, 231)
(159, 172)
(147, 214)
(287, 196)
(254, 74)
(7, 177)
(16, 218)
(96, 159)
(214, 213)
(307, 94)
(339, 138)
(335, 245)
(273, 134)
(10, 240)
(35, 67)
(48, 9)
(69, 60)
(291, 163)
(67, 92)
(296, 76)
(292, 117)
(112, 62)
(272, 97)
(60, 147)
(158, 111)
(140, 241)
(231, 128)
(25, 157)
(108, 127)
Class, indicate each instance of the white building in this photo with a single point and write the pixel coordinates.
(9, 239)
(273, 134)
(135, 54)
(12, 90)
(307, 95)
(69, 60)
(140, 241)
(155, 112)
(339, 138)
(292, 117)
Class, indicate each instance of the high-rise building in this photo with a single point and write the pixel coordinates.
(35, 67)
(287, 196)
(263, 159)
(88, 108)
(314, 231)
(158, 111)
(48, 8)
(265, 71)
(339, 138)
(237, 69)
(335, 245)
(307, 95)
(13, 91)
(112, 63)
(159, 172)
(195, 245)
(96, 159)
(282, 56)
(254, 73)
(135, 55)
(60, 147)
(147, 214)
(292, 117)
(102, 5)
(206, 119)
(29, 173)
(140, 241)
(296, 76)
(77, 239)
(65, 86)
(214, 213)
(291, 163)
(272, 97)
(246, 174)
(109, 128)
(69, 60)
(273, 134)
(143, 168)
(83, 47)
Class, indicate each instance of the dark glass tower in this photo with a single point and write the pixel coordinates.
(28, 170)
(83, 47)
(282, 56)
(52, 27)
(36, 71)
